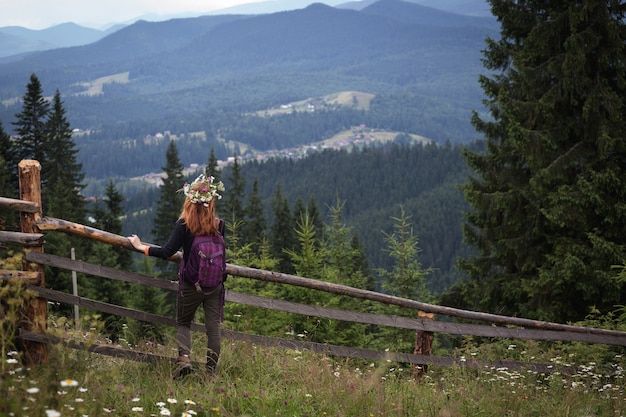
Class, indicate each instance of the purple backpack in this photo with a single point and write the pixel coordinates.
(206, 265)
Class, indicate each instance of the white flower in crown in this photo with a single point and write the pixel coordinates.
(207, 191)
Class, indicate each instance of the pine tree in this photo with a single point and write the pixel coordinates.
(255, 225)
(234, 194)
(8, 218)
(342, 262)
(108, 218)
(170, 201)
(212, 166)
(30, 126)
(406, 279)
(61, 171)
(548, 196)
(282, 234)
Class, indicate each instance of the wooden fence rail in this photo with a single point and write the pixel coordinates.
(35, 338)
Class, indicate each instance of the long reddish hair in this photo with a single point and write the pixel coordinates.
(201, 220)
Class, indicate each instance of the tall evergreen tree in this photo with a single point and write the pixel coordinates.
(61, 191)
(234, 194)
(170, 200)
(342, 266)
(255, 225)
(406, 279)
(30, 126)
(8, 218)
(282, 233)
(212, 166)
(548, 196)
(108, 218)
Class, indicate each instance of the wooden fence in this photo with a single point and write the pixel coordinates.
(34, 338)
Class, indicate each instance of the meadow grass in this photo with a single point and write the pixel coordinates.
(261, 381)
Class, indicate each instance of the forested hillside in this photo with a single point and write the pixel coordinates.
(373, 184)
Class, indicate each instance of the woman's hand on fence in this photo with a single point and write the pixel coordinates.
(136, 242)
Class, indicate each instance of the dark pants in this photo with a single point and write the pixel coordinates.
(187, 302)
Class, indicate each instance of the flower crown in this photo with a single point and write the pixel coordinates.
(204, 193)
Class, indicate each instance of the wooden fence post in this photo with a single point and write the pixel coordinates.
(423, 345)
(36, 312)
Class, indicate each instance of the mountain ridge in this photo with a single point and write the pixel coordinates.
(17, 40)
(185, 69)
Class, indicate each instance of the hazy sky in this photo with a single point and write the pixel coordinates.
(40, 14)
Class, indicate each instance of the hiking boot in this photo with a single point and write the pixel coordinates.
(183, 367)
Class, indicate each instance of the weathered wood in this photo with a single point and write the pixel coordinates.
(63, 297)
(324, 349)
(108, 350)
(423, 324)
(278, 277)
(100, 271)
(36, 312)
(420, 324)
(28, 277)
(282, 278)
(76, 229)
(423, 345)
(19, 205)
(23, 239)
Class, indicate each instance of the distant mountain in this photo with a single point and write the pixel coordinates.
(462, 7)
(466, 7)
(272, 6)
(427, 16)
(18, 40)
(179, 71)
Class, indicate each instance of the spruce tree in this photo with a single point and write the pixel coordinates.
(30, 126)
(548, 195)
(108, 218)
(282, 233)
(8, 218)
(255, 225)
(406, 279)
(212, 166)
(170, 200)
(62, 173)
(234, 194)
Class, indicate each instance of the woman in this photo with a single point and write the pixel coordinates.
(198, 218)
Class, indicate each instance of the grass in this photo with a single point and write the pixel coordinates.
(261, 381)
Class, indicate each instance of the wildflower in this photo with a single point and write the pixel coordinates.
(53, 413)
(165, 412)
(69, 383)
(172, 400)
(160, 404)
(11, 360)
(190, 402)
(79, 400)
(81, 389)
(33, 390)
(137, 409)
